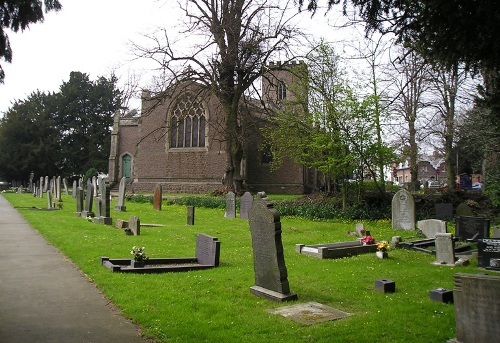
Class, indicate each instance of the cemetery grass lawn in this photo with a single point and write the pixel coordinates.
(216, 305)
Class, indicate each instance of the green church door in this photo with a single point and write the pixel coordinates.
(127, 166)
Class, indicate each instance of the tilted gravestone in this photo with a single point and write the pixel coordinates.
(477, 307)
(230, 205)
(445, 255)
(190, 215)
(488, 253)
(271, 277)
(158, 197)
(444, 211)
(472, 228)
(46, 184)
(246, 202)
(430, 227)
(120, 206)
(403, 210)
(134, 225)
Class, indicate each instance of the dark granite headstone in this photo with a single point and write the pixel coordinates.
(190, 215)
(488, 253)
(472, 228)
(158, 197)
(444, 211)
(207, 250)
(477, 307)
(230, 205)
(271, 277)
(134, 224)
(246, 202)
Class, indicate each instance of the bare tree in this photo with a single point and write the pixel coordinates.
(234, 39)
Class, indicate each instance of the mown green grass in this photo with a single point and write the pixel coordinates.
(216, 305)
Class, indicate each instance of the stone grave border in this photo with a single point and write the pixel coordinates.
(335, 250)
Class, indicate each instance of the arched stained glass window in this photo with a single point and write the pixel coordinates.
(187, 124)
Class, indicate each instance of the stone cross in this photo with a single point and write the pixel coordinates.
(230, 205)
(271, 277)
(403, 210)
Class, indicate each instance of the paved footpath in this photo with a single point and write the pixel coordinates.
(45, 298)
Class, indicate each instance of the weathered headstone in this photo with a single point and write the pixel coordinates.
(190, 215)
(403, 210)
(89, 198)
(488, 253)
(104, 217)
(472, 228)
(445, 255)
(41, 188)
(57, 188)
(73, 191)
(477, 307)
(120, 206)
(50, 204)
(134, 224)
(271, 277)
(230, 205)
(79, 202)
(65, 185)
(158, 197)
(444, 211)
(207, 250)
(430, 227)
(464, 210)
(96, 188)
(46, 184)
(360, 230)
(246, 202)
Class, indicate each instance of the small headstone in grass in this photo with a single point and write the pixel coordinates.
(190, 215)
(429, 227)
(403, 210)
(121, 224)
(230, 205)
(246, 202)
(271, 277)
(444, 211)
(477, 307)
(445, 254)
(134, 224)
(158, 196)
(472, 228)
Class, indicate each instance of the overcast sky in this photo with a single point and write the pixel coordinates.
(91, 36)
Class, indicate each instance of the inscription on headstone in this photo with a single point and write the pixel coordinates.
(271, 276)
(230, 205)
(477, 307)
(158, 196)
(403, 211)
(472, 228)
(246, 202)
(488, 253)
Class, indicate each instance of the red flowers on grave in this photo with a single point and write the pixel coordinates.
(367, 240)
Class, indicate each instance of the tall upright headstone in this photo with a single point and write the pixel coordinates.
(246, 203)
(40, 191)
(134, 224)
(271, 276)
(158, 197)
(73, 190)
(120, 205)
(79, 201)
(50, 204)
(89, 198)
(94, 183)
(403, 210)
(46, 184)
(445, 254)
(230, 205)
(190, 215)
(477, 307)
(58, 188)
(105, 194)
(65, 185)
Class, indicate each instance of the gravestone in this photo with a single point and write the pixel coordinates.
(190, 215)
(65, 185)
(464, 210)
(403, 210)
(445, 255)
(79, 202)
(46, 184)
(430, 227)
(104, 217)
(158, 197)
(477, 307)
(120, 206)
(488, 253)
(57, 188)
(50, 204)
(472, 228)
(271, 277)
(230, 205)
(207, 250)
(360, 230)
(134, 224)
(496, 232)
(40, 191)
(73, 191)
(94, 184)
(444, 211)
(89, 198)
(246, 202)
(97, 206)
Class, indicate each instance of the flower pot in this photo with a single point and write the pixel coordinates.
(137, 264)
(382, 254)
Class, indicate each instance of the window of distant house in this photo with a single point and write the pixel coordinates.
(281, 91)
(187, 124)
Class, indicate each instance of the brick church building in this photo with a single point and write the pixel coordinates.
(177, 142)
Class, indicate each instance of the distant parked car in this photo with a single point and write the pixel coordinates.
(4, 185)
(476, 186)
(434, 184)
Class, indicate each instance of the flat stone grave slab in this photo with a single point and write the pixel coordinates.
(309, 313)
(207, 256)
(335, 250)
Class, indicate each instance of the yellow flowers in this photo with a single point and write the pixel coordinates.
(383, 246)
